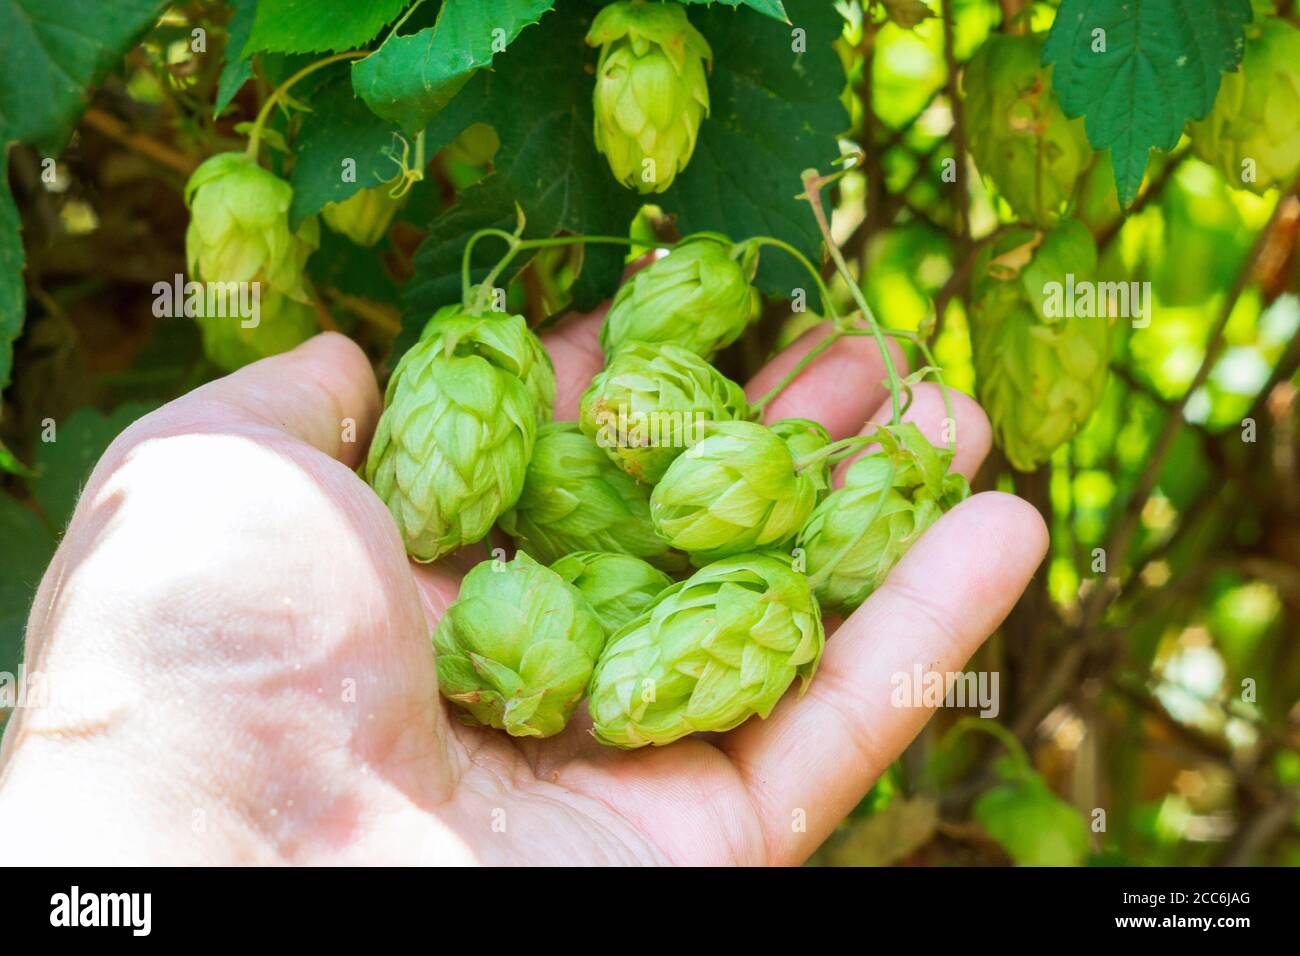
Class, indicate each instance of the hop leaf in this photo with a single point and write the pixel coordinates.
(650, 403)
(1035, 826)
(460, 419)
(651, 91)
(1039, 377)
(618, 587)
(713, 651)
(1255, 123)
(574, 499)
(1019, 136)
(737, 490)
(517, 647)
(239, 232)
(854, 538)
(364, 216)
(697, 297)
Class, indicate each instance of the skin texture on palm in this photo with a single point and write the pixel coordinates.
(240, 670)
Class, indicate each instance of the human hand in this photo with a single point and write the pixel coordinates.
(240, 671)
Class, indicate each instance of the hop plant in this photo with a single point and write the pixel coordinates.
(854, 538)
(1252, 135)
(576, 499)
(460, 418)
(239, 232)
(737, 490)
(697, 297)
(713, 651)
(651, 91)
(364, 216)
(651, 401)
(618, 587)
(1018, 134)
(804, 437)
(517, 647)
(1040, 374)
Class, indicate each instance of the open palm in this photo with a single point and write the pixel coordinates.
(239, 668)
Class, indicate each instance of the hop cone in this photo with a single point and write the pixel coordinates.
(460, 418)
(364, 216)
(618, 587)
(735, 491)
(1040, 374)
(651, 91)
(854, 538)
(517, 647)
(239, 232)
(803, 437)
(697, 297)
(1019, 136)
(1257, 113)
(576, 499)
(712, 651)
(650, 402)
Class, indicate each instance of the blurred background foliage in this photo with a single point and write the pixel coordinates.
(1148, 710)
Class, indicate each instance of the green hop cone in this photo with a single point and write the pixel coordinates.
(853, 539)
(697, 297)
(651, 91)
(239, 232)
(576, 499)
(282, 323)
(618, 587)
(1252, 135)
(1019, 137)
(364, 216)
(1040, 374)
(651, 401)
(460, 418)
(805, 437)
(737, 490)
(713, 651)
(517, 647)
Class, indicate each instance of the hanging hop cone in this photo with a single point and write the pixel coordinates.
(460, 418)
(364, 217)
(803, 437)
(576, 499)
(1252, 135)
(239, 233)
(618, 587)
(737, 490)
(713, 651)
(697, 297)
(517, 647)
(1019, 137)
(854, 538)
(1040, 374)
(651, 91)
(650, 402)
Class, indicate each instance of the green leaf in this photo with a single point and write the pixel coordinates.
(775, 112)
(64, 464)
(238, 69)
(771, 8)
(28, 549)
(1139, 71)
(1034, 826)
(409, 79)
(311, 26)
(11, 273)
(51, 56)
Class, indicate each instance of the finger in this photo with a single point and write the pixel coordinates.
(840, 388)
(574, 348)
(323, 392)
(966, 425)
(950, 591)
